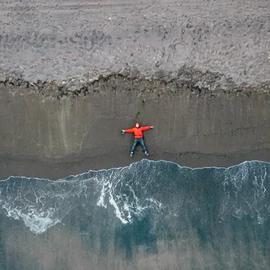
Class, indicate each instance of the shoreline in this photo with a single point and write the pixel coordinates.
(56, 169)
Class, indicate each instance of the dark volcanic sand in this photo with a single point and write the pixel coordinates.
(42, 135)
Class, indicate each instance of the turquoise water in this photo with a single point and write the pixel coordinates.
(149, 215)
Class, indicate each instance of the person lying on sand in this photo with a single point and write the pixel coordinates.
(138, 131)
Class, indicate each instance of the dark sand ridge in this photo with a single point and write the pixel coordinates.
(197, 70)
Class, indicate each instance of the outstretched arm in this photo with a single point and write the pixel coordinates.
(129, 130)
(145, 128)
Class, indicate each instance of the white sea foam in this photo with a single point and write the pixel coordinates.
(245, 191)
(37, 221)
(127, 206)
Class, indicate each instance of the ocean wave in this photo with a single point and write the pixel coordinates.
(159, 188)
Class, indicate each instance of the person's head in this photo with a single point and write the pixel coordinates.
(137, 125)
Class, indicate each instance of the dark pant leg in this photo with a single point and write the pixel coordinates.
(141, 141)
(134, 145)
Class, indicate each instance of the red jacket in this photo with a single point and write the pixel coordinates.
(138, 132)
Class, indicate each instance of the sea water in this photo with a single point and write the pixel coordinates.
(148, 215)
